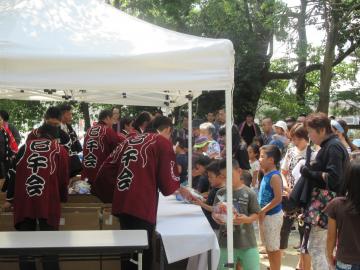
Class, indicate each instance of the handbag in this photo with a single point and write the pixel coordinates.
(315, 215)
(300, 194)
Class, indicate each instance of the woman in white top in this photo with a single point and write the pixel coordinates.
(299, 139)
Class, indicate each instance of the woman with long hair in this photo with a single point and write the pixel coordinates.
(344, 222)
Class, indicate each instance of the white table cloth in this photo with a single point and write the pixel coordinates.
(186, 233)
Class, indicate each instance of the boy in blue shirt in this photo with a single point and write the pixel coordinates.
(271, 215)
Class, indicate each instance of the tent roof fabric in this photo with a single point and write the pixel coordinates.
(85, 44)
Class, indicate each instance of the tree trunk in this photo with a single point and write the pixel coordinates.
(301, 54)
(250, 76)
(331, 24)
(117, 4)
(246, 96)
(84, 108)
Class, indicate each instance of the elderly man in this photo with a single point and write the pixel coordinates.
(268, 132)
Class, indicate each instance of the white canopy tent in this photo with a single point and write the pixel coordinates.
(88, 51)
(87, 45)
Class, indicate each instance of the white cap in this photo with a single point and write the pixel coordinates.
(281, 124)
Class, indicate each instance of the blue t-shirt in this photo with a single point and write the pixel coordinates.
(266, 193)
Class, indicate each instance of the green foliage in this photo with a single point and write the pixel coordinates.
(250, 25)
(23, 114)
(279, 100)
(347, 102)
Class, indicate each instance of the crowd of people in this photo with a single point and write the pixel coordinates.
(301, 172)
(295, 168)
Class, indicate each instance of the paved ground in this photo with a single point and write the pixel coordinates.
(290, 257)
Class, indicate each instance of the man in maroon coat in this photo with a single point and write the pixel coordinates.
(100, 140)
(135, 172)
(38, 183)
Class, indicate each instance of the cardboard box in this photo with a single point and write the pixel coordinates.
(6, 222)
(83, 198)
(113, 264)
(81, 205)
(9, 265)
(80, 218)
(2, 198)
(109, 222)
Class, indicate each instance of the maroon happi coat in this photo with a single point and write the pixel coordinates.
(100, 140)
(41, 181)
(135, 172)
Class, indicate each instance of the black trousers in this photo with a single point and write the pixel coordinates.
(288, 222)
(49, 262)
(128, 222)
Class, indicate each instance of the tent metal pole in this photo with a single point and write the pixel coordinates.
(229, 193)
(189, 140)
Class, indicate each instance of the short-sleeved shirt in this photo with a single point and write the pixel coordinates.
(245, 202)
(210, 201)
(292, 157)
(213, 148)
(348, 224)
(266, 193)
(254, 166)
(182, 160)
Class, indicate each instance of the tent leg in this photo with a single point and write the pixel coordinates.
(229, 193)
(190, 141)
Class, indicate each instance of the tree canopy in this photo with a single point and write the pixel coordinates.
(305, 79)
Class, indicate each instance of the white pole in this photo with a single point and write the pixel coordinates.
(140, 258)
(190, 141)
(229, 193)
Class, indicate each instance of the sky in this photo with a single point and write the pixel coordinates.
(314, 35)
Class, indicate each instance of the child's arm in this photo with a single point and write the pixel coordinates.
(276, 184)
(331, 241)
(254, 178)
(286, 182)
(179, 168)
(244, 219)
(203, 205)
